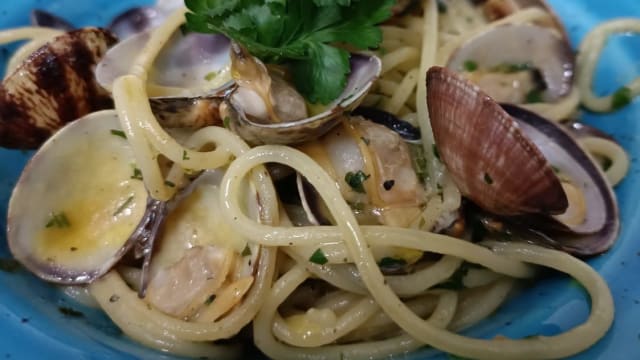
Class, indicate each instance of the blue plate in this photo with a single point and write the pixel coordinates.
(32, 325)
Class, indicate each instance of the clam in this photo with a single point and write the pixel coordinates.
(373, 169)
(257, 129)
(199, 79)
(498, 9)
(54, 86)
(142, 18)
(518, 63)
(188, 80)
(505, 161)
(74, 210)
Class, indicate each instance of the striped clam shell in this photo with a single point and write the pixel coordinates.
(54, 86)
(487, 155)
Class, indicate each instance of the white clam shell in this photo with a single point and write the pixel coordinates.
(76, 204)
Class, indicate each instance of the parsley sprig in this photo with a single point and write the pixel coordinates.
(299, 33)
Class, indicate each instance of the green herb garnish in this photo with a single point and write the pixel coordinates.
(301, 34)
(137, 174)
(9, 265)
(210, 299)
(169, 183)
(419, 161)
(356, 180)
(455, 282)
(211, 75)
(67, 311)
(318, 257)
(621, 98)
(246, 251)
(119, 133)
(185, 156)
(442, 7)
(512, 68)
(534, 96)
(390, 263)
(124, 205)
(470, 66)
(226, 122)
(436, 153)
(58, 220)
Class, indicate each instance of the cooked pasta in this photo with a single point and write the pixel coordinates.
(344, 306)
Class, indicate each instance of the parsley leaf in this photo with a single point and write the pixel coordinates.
(356, 180)
(297, 33)
(318, 257)
(621, 98)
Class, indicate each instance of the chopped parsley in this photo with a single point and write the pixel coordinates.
(67, 311)
(508, 68)
(391, 264)
(211, 75)
(318, 257)
(455, 282)
(124, 205)
(621, 98)
(58, 220)
(534, 96)
(356, 180)
(246, 251)
(185, 156)
(436, 153)
(419, 161)
(442, 7)
(9, 265)
(606, 164)
(210, 299)
(300, 34)
(470, 66)
(169, 183)
(119, 133)
(137, 174)
(226, 122)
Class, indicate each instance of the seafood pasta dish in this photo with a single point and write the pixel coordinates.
(322, 179)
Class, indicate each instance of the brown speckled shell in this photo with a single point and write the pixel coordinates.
(486, 153)
(54, 86)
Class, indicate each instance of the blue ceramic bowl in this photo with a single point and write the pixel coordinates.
(33, 327)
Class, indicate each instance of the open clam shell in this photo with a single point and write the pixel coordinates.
(537, 47)
(365, 69)
(54, 86)
(187, 82)
(599, 229)
(487, 154)
(76, 204)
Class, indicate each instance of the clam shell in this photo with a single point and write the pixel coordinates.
(76, 205)
(538, 46)
(600, 229)
(486, 153)
(365, 70)
(54, 86)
